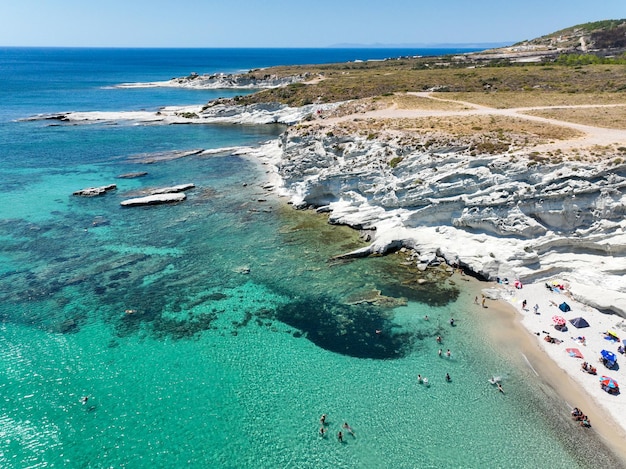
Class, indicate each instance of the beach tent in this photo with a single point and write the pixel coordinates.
(579, 322)
(564, 307)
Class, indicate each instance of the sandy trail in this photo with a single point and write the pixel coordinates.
(592, 135)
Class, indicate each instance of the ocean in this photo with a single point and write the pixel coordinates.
(215, 332)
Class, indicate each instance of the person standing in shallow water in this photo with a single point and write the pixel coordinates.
(340, 436)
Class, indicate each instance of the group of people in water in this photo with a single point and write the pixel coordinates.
(344, 428)
(580, 417)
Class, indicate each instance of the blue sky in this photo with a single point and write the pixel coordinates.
(289, 23)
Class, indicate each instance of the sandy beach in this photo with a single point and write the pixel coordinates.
(553, 363)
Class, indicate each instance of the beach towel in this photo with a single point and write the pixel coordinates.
(574, 352)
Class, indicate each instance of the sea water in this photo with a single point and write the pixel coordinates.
(215, 332)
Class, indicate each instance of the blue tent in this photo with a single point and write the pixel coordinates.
(579, 322)
(564, 307)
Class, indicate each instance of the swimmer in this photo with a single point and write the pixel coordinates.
(500, 388)
(439, 352)
(420, 379)
(426, 318)
(348, 428)
(448, 379)
(452, 322)
(322, 432)
(84, 400)
(438, 339)
(340, 437)
(323, 419)
(448, 353)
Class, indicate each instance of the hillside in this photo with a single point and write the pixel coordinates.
(604, 38)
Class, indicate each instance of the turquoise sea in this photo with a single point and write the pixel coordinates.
(216, 332)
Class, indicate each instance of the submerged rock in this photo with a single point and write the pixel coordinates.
(137, 174)
(94, 191)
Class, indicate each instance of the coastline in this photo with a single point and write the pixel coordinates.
(516, 329)
(562, 371)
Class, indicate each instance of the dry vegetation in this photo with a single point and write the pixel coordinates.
(607, 117)
(350, 81)
(482, 134)
(508, 100)
(457, 85)
(410, 101)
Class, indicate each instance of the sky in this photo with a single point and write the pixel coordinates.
(290, 23)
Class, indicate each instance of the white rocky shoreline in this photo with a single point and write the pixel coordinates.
(494, 220)
(495, 217)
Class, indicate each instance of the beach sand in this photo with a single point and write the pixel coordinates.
(523, 332)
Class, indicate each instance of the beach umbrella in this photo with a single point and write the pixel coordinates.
(608, 382)
(558, 320)
(612, 334)
(579, 322)
(610, 356)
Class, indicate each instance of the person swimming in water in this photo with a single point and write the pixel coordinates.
(500, 388)
(84, 400)
(420, 379)
(448, 379)
(323, 419)
(322, 432)
(348, 428)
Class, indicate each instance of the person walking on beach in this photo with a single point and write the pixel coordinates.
(475, 300)
(536, 308)
(524, 305)
(483, 302)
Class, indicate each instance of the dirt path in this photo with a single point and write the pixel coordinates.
(592, 135)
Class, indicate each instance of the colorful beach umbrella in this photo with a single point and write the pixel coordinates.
(607, 355)
(608, 382)
(612, 334)
(558, 320)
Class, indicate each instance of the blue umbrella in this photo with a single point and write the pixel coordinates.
(610, 356)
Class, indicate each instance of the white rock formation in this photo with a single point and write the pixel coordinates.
(154, 199)
(495, 217)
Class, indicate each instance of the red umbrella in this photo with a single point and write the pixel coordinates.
(609, 382)
(558, 320)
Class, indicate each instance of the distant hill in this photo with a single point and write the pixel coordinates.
(603, 38)
(598, 35)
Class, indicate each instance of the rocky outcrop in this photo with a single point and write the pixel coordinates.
(94, 191)
(494, 215)
(164, 195)
(154, 200)
(222, 81)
